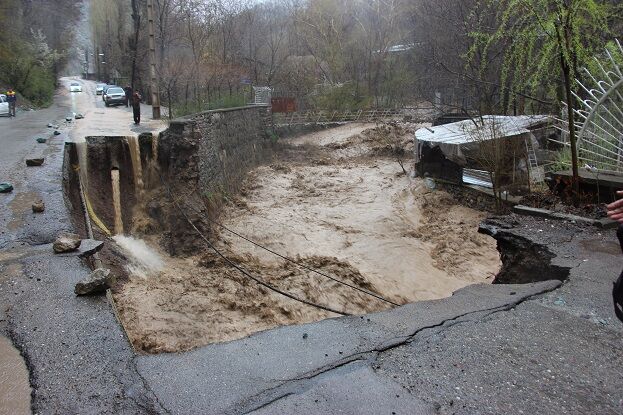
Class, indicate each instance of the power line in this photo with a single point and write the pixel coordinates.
(243, 271)
(301, 265)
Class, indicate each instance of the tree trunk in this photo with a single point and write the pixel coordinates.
(572, 137)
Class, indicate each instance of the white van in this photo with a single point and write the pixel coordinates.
(4, 105)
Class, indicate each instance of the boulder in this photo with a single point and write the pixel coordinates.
(66, 242)
(79, 116)
(97, 282)
(89, 247)
(56, 132)
(38, 206)
(41, 140)
(6, 187)
(34, 162)
(69, 119)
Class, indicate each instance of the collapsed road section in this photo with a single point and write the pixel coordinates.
(222, 230)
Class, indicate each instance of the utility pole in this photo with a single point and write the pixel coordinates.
(155, 94)
(86, 63)
(97, 63)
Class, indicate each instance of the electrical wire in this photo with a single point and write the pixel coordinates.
(243, 271)
(301, 265)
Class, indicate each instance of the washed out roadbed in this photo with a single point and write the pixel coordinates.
(336, 200)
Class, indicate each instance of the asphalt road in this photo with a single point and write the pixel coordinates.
(547, 348)
(78, 358)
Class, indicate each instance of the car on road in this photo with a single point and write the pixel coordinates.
(115, 96)
(99, 89)
(75, 87)
(4, 105)
(104, 89)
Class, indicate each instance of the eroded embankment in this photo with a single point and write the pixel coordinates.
(337, 201)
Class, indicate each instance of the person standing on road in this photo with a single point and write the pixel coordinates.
(12, 100)
(128, 95)
(136, 107)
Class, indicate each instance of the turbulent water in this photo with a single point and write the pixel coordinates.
(144, 261)
(332, 203)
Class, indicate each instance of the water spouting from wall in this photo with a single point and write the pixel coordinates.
(154, 148)
(135, 154)
(143, 261)
(116, 200)
(83, 161)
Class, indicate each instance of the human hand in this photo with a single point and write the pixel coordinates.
(615, 209)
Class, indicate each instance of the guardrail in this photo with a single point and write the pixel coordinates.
(318, 117)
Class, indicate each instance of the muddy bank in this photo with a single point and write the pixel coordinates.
(336, 200)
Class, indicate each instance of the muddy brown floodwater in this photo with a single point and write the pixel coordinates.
(336, 201)
(14, 385)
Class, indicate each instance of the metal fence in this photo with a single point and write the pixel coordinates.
(320, 117)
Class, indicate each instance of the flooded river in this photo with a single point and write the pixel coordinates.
(14, 385)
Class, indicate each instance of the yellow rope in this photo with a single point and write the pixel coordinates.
(92, 214)
(94, 217)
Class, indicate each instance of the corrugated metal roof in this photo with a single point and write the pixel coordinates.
(465, 131)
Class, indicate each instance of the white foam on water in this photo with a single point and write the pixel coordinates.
(144, 261)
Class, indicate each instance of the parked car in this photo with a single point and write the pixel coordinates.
(115, 96)
(105, 88)
(75, 87)
(4, 105)
(99, 89)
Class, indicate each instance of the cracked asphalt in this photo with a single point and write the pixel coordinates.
(547, 347)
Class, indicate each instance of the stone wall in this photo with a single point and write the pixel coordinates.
(204, 158)
(215, 149)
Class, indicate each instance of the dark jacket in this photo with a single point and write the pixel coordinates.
(136, 100)
(11, 97)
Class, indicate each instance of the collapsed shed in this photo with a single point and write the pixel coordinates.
(469, 152)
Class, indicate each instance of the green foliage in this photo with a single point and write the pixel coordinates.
(341, 97)
(538, 36)
(272, 135)
(562, 160)
(28, 45)
(28, 66)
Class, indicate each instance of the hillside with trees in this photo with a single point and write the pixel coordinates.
(35, 39)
